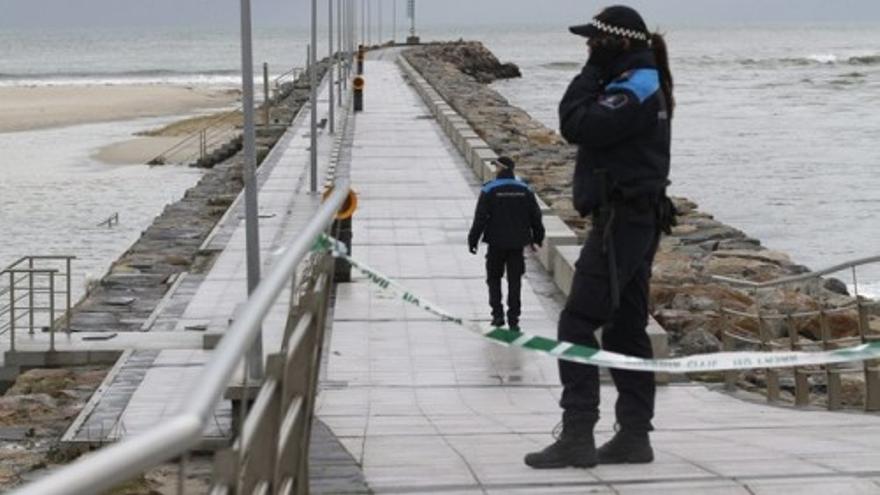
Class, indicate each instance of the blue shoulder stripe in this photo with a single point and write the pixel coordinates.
(643, 82)
(489, 186)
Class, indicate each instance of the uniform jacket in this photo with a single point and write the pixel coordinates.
(507, 216)
(621, 125)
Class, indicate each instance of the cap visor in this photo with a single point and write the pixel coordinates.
(585, 30)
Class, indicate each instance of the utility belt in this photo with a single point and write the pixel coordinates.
(615, 207)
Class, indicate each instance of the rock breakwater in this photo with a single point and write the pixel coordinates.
(686, 299)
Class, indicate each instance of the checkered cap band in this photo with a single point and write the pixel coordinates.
(619, 31)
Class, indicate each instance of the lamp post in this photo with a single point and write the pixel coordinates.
(252, 228)
(313, 100)
(331, 70)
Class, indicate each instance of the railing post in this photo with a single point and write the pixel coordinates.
(12, 311)
(31, 296)
(801, 379)
(832, 375)
(52, 311)
(68, 282)
(871, 368)
(771, 374)
(267, 103)
(730, 376)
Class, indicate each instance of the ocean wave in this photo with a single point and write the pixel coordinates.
(865, 60)
(561, 65)
(149, 76)
(812, 60)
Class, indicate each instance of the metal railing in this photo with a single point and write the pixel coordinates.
(217, 130)
(222, 128)
(29, 288)
(110, 221)
(271, 451)
(783, 331)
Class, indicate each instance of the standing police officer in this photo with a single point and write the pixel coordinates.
(508, 219)
(618, 111)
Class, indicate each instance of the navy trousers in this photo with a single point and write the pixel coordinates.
(635, 237)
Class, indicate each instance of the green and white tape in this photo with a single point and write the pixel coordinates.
(567, 351)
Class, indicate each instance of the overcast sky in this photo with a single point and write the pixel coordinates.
(85, 13)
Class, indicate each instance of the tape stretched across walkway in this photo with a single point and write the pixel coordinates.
(586, 355)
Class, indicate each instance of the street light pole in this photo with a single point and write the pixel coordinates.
(252, 227)
(340, 38)
(331, 69)
(313, 100)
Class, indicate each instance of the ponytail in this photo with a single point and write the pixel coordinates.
(658, 43)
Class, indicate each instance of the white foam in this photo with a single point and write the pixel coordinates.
(824, 58)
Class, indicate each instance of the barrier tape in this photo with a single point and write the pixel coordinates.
(721, 361)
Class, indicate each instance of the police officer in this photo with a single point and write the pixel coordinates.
(618, 111)
(507, 219)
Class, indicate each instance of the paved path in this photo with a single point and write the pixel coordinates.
(148, 385)
(428, 408)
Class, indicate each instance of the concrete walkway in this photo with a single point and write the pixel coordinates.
(428, 408)
(148, 384)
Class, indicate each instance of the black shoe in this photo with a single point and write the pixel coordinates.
(497, 322)
(627, 447)
(514, 326)
(575, 447)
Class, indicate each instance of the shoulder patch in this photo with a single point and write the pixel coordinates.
(489, 186)
(641, 82)
(614, 100)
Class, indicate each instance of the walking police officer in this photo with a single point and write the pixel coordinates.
(508, 219)
(618, 111)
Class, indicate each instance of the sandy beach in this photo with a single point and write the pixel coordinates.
(40, 107)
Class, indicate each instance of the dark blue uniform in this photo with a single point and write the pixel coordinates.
(619, 119)
(508, 219)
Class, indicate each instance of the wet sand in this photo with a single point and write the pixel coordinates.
(41, 107)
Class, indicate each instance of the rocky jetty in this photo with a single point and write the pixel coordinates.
(137, 281)
(686, 300)
(41, 403)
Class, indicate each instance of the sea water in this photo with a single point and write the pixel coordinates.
(775, 133)
(776, 130)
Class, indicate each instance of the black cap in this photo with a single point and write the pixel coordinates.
(505, 162)
(618, 20)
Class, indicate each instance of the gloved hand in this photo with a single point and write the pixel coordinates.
(604, 50)
(472, 248)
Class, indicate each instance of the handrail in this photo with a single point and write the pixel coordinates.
(825, 341)
(106, 468)
(291, 72)
(192, 136)
(213, 127)
(798, 278)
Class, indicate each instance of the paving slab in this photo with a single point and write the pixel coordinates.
(425, 407)
(146, 391)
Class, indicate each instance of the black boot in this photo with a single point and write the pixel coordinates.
(627, 447)
(497, 321)
(574, 447)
